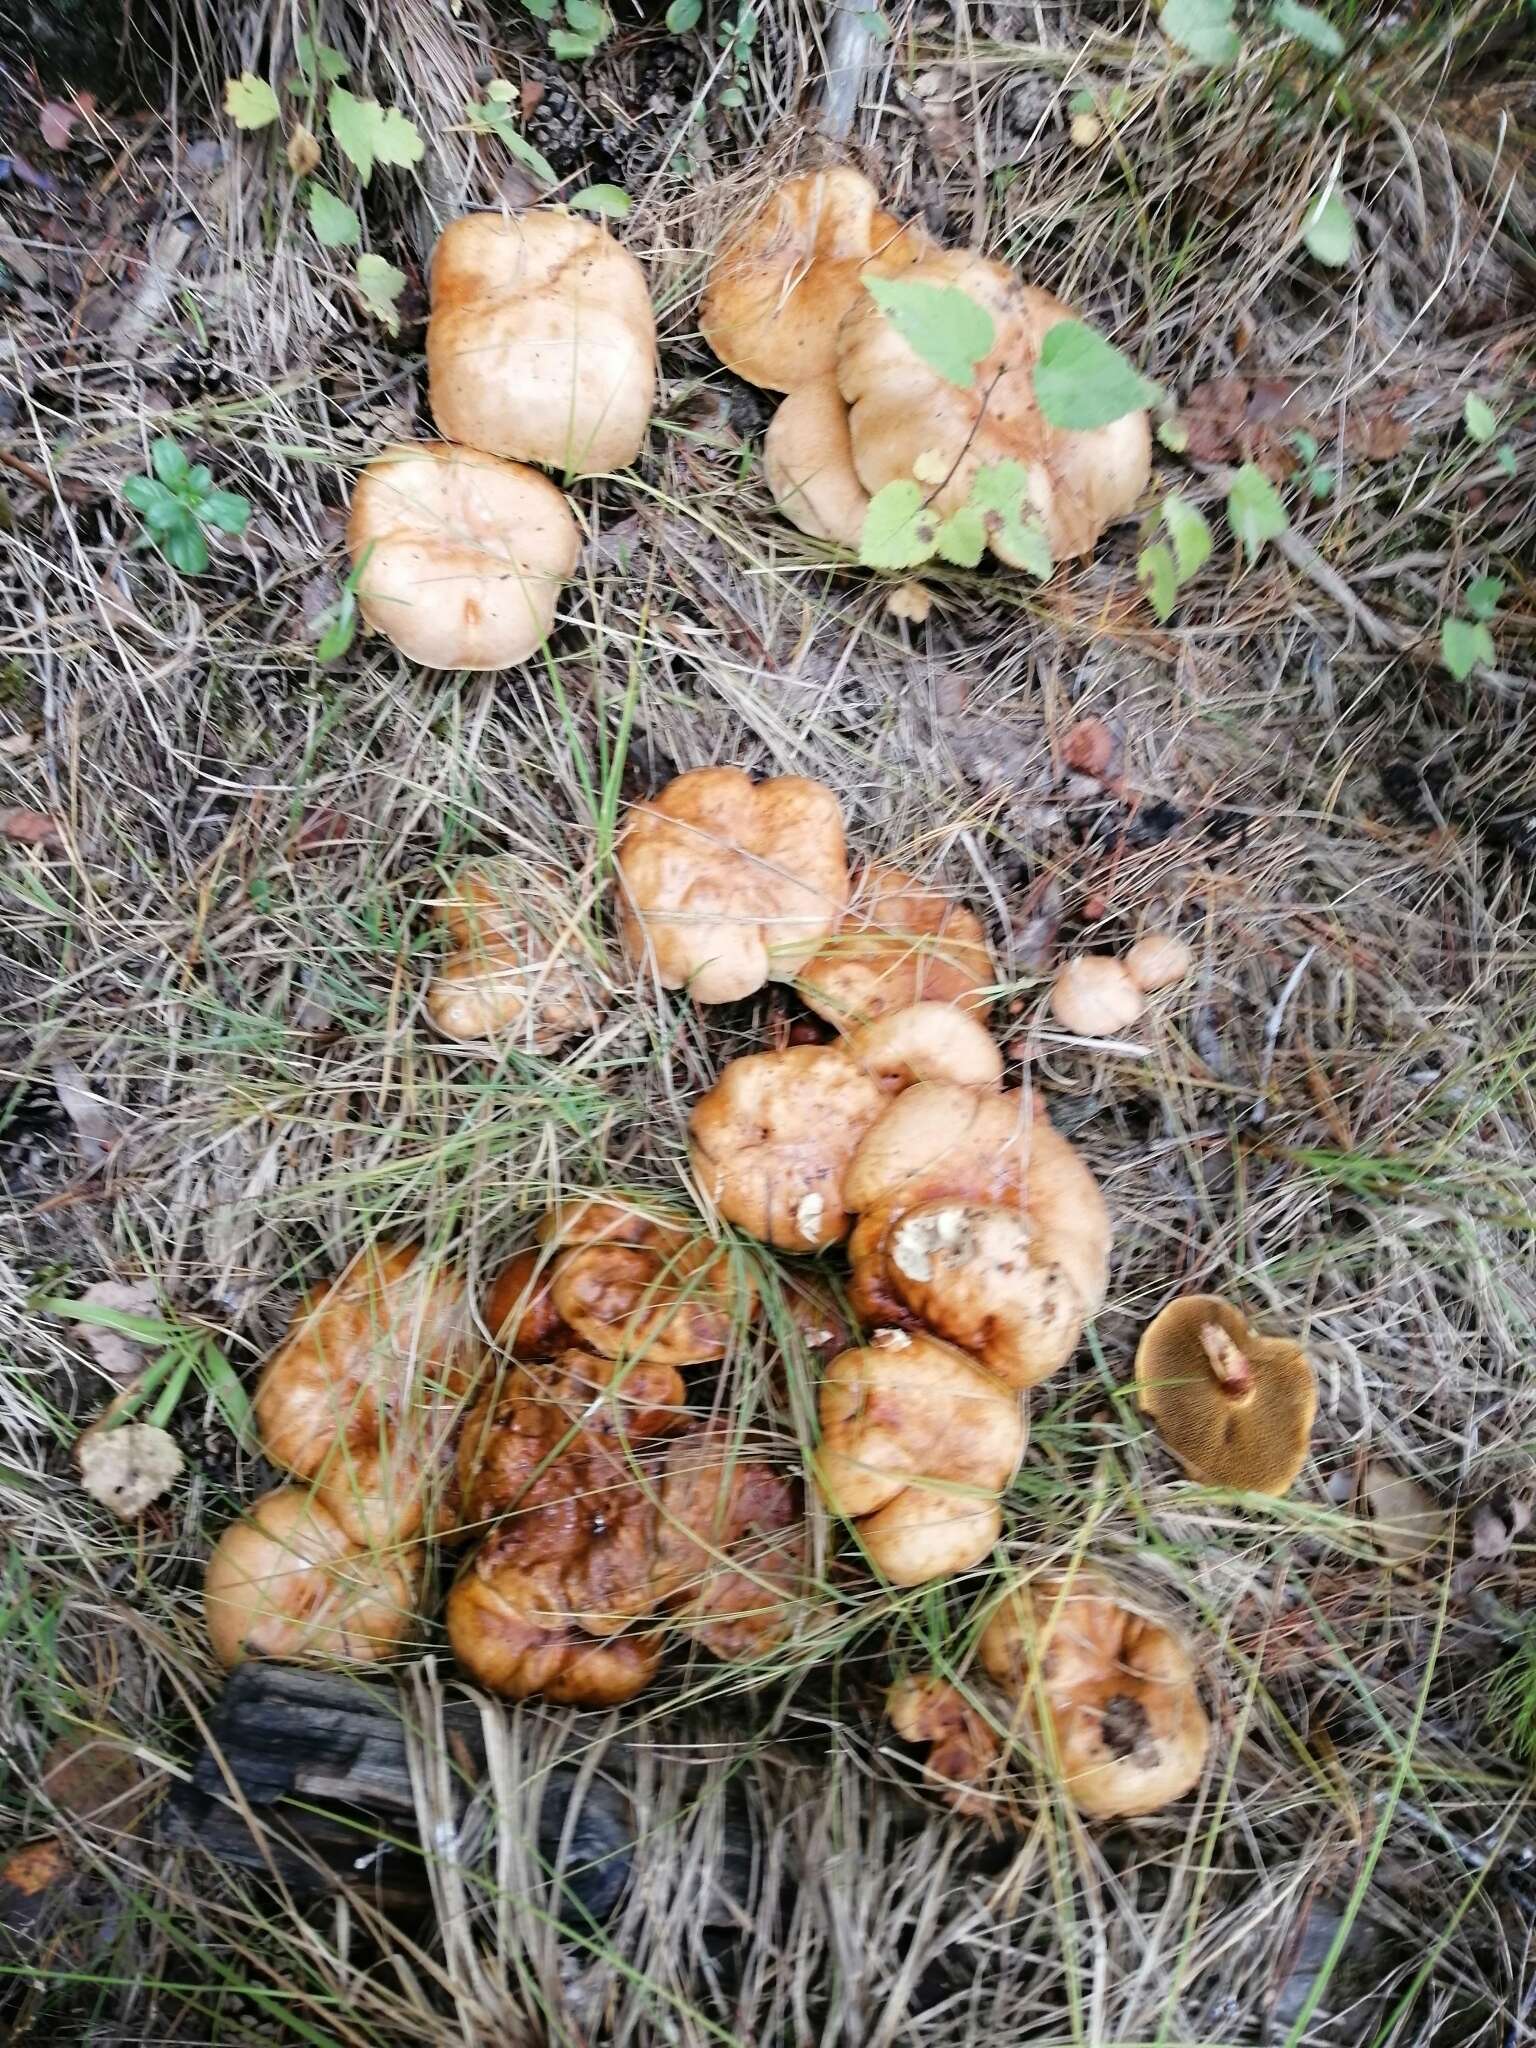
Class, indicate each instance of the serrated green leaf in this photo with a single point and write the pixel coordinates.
(588, 19)
(1482, 597)
(962, 537)
(1174, 435)
(336, 226)
(1158, 576)
(899, 529)
(168, 462)
(1308, 26)
(1000, 487)
(226, 510)
(355, 126)
(1482, 421)
(1504, 456)
(1329, 231)
(340, 633)
(184, 547)
(1022, 544)
(1082, 381)
(684, 15)
(379, 284)
(541, 10)
(1254, 510)
(944, 327)
(319, 59)
(571, 48)
(611, 200)
(1202, 27)
(398, 142)
(1190, 535)
(1463, 645)
(249, 101)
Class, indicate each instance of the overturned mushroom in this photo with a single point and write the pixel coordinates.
(963, 1751)
(541, 343)
(808, 464)
(1236, 1409)
(634, 1282)
(899, 942)
(518, 970)
(1110, 1694)
(460, 556)
(725, 883)
(917, 1446)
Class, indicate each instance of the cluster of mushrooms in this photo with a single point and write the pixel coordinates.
(549, 1433)
(541, 355)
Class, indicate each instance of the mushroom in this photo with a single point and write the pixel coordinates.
(459, 556)
(963, 1751)
(899, 942)
(1110, 1694)
(730, 1546)
(1234, 1408)
(917, 1445)
(364, 1394)
(780, 284)
(637, 1283)
(287, 1581)
(1160, 960)
(905, 419)
(1095, 997)
(541, 343)
(726, 884)
(517, 969)
(926, 1042)
(519, 1312)
(979, 1221)
(808, 464)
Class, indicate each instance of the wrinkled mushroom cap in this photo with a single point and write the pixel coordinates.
(285, 1581)
(513, 1632)
(808, 465)
(1234, 1408)
(519, 1312)
(962, 1750)
(730, 1546)
(917, 1444)
(771, 1141)
(971, 1274)
(782, 281)
(1126, 1727)
(725, 884)
(1095, 997)
(541, 344)
(518, 969)
(462, 555)
(926, 1042)
(631, 1282)
(899, 942)
(1160, 960)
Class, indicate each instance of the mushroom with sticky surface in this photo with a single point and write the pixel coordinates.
(1235, 1409)
(808, 465)
(636, 1282)
(899, 942)
(518, 970)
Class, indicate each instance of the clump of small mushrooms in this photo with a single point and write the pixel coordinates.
(1097, 996)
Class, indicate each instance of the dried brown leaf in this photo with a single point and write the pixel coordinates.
(31, 828)
(119, 1357)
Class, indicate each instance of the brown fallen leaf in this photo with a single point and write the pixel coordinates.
(56, 122)
(119, 1357)
(1088, 748)
(93, 1777)
(318, 829)
(32, 828)
(96, 1130)
(129, 1467)
(303, 152)
(1376, 433)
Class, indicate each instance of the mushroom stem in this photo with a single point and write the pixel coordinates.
(1230, 1364)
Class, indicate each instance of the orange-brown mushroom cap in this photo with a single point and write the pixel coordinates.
(1094, 996)
(808, 465)
(926, 1042)
(725, 883)
(963, 1751)
(639, 1283)
(1234, 1408)
(899, 942)
(1111, 1694)
(518, 969)
(730, 1546)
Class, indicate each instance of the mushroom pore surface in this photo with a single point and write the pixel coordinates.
(1236, 1409)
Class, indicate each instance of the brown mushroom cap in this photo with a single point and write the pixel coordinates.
(542, 342)
(1095, 997)
(730, 1546)
(518, 969)
(808, 465)
(926, 1042)
(771, 1141)
(726, 884)
(1126, 1727)
(782, 281)
(899, 942)
(513, 1632)
(917, 1444)
(462, 555)
(1159, 961)
(365, 1393)
(1234, 1408)
(285, 1581)
(519, 1312)
(638, 1283)
(972, 1274)
(962, 1750)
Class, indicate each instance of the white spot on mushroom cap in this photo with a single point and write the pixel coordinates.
(919, 1239)
(890, 1340)
(809, 1215)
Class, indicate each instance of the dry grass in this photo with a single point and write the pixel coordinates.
(1333, 1122)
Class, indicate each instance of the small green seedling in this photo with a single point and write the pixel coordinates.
(180, 1354)
(1464, 642)
(1482, 423)
(736, 38)
(178, 502)
(1320, 478)
(340, 621)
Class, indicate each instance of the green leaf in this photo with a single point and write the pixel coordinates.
(340, 633)
(1083, 381)
(367, 133)
(733, 96)
(612, 200)
(199, 477)
(398, 142)
(148, 1329)
(569, 48)
(588, 19)
(168, 462)
(1082, 103)
(1001, 488)
(1254, 510)
(1156, 573)
(1482, 597)
(379, 285)
(1022, 544)
(249, 101)
(1481, 419)
(1202, 27)
(684, 15)
(1174, 435)
(1308, 26)
(1321, 480)
(222, 1383)
(541, 10)
(962, 537)
(336, 226)
(875, 26)
(318, 60)
(166, 515)
(226, 510)
(1329, 231)
(145, 495)
(1305, 445)
(184, 547)
(899, 529)
(946, 328)
(1504, 456)
(493, 117)
(1463, 645)
(1190, 534)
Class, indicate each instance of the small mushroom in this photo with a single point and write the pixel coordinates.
(1095, 997)
(460, 556)
(782, 281)
(519, 1312)
(1110, 1694)
(1160, 960)
(926, 1042)
(541, 343)
(963, 1751)
(725, 883)
(633, 1282)
(918, 1444)
(899, 942)
(1235, 1409)
(286, 1581)
(518, 970)
(808, 465)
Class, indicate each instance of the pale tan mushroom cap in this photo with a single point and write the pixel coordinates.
(286, 1582)
(781, 283)
(1126, 1725)
(899, 942)
(808, 465)
(462, 555)
(771, 1141)
(1095, 997)
(542, 342)
(1160, 960)
(926, 1042)
(972, 1274)
(518, 970)
(727, 884)
(1255, 1438)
